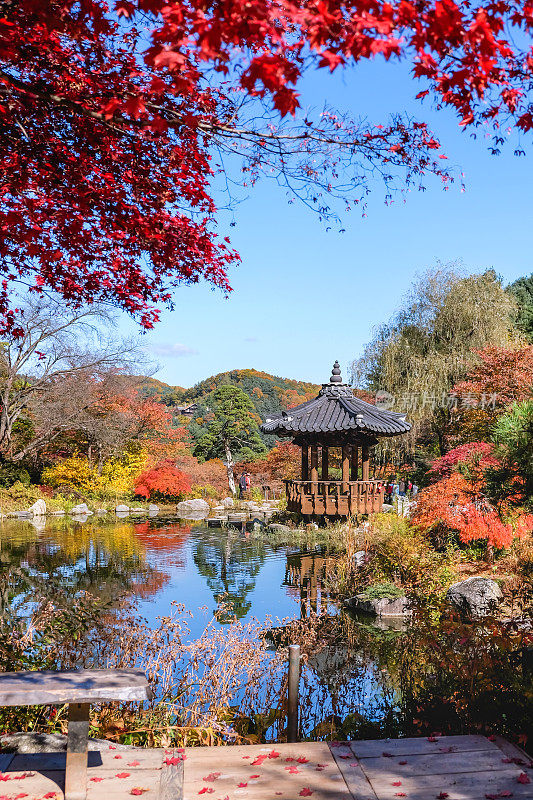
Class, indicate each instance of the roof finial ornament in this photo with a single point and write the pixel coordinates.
(336, 373)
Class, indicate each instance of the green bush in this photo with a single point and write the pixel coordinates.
(382, 591)
(203, 491)
(13, 473)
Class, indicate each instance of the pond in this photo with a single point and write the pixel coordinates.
(159, 561)
(359, 680)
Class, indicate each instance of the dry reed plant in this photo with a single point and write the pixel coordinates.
(203, 689)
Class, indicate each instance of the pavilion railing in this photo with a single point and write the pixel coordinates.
(342, 496)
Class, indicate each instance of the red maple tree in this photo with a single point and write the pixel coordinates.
(471, 459)
(164, 481)
(459, 504)
(504, 374)
(114, 121)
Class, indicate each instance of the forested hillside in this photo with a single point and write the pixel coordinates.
(269, 393)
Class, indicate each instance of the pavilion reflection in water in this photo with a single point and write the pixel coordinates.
(304, 575)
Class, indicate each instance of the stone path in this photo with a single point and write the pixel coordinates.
(445, 768)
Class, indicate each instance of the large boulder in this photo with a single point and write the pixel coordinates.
(380, 607)
(38, 509)
(476, 596)
(193, 509)
(228, 502)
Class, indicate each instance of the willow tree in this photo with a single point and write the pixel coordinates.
(416, 358)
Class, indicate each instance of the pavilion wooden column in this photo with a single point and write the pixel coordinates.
(314, 467)
(305, 462)
(366, 463)
(345, 467)
(354, 467)
(325, 463)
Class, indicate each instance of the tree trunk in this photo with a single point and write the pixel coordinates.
(229, 469)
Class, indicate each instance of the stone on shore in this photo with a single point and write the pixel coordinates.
(81, 510)
(122, 509)
(476, 596)
(193, 509)
(153, 509)
(38, 509)
(228, 502)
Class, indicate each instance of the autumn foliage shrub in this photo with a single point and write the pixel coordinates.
(283, 461)
(208, 473)
(456, 504)
(163, 482)
(402, 553)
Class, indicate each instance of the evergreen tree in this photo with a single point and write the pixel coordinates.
(232, 429)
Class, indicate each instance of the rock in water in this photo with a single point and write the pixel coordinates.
(121, 509)
(153, 509)
(381, 607)
(228, 502)
(80, 510)
(476, 596)
(277, 527)
(38, 509)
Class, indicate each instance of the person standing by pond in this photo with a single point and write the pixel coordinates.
(248, 481)
(242, 486)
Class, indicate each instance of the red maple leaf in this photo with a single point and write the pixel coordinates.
(523, 778)
(306, 792)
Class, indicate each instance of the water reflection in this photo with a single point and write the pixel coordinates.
(304, 576)
(66, 558)
(230, 561)
(156, 561)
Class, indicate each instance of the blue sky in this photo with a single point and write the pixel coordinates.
(304, 296)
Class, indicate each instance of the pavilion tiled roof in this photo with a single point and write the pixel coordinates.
(336, 409)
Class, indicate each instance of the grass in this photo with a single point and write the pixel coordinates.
(382, 591)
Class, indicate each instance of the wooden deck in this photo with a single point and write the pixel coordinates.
(448, 767)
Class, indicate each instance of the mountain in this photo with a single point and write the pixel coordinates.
(269, 393)
(158, 390)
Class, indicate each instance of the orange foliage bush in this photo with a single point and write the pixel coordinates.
(501, 377)
(163, 481)
(459, 505)
(283, 461)
(209, 473)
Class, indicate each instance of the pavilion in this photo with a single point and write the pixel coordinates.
(336, 418)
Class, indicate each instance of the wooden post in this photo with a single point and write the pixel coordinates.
(314, 467)
(354, 469)
(305, 462)
(325, 463)
(293, 687)
(366, 463)
(345, 467)
(77, 744)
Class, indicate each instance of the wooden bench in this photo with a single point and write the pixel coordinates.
(78, 688)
